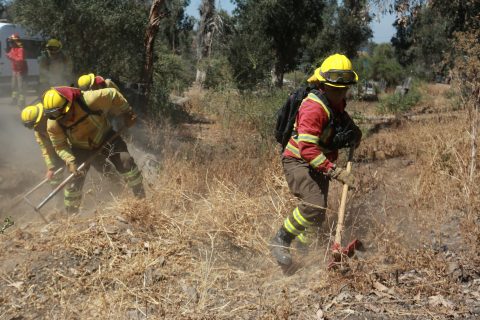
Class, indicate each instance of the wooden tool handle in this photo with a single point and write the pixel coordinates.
(343, 202)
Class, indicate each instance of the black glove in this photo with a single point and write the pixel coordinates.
(347, 134)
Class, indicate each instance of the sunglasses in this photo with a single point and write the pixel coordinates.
(57, 113)
(53, 49)
(339, 76)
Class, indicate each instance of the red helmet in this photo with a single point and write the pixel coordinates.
(14, 36)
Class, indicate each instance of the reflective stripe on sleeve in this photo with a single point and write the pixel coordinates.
(315, 163)
(308, 138)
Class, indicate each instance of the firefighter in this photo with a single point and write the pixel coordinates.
(55, 67)
(322, 127)
(16, 55)
(78, 127)
(92, 82)
(33, 118)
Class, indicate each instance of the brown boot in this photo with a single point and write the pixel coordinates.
(281, 247)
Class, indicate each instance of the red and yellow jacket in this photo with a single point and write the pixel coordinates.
(313, 131)
(80, 130)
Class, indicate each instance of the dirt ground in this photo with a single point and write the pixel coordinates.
(191, 252)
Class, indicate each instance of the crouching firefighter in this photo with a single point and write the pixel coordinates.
(78, 126)
(322, 126)
(92, 82)
(34, 118)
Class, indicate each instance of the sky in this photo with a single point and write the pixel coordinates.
(382, 30)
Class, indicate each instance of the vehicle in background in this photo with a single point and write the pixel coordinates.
(369, 92)
(366, 90)
(32, 44)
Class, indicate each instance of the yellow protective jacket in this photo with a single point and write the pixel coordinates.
(81, 129)
(51, 158)
(55, 70)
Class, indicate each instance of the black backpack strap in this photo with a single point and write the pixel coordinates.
(86, 109)
(88, 112)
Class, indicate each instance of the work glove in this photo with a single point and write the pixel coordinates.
(49, 174)
(342, 175)
(73, 168)
(129, 119)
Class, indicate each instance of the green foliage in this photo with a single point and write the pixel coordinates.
(269, 36)
(105, 37)
(172, 71)
(396, 103)
(172, 74)
(175, 30)
(363, 67)
(346, 29)
(250, 61)
(425, 39)
(219, 74)
(385, 66)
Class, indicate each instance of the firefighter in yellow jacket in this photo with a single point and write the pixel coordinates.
(55, 67)
(33, 118)
(78, 126)
(92, 82)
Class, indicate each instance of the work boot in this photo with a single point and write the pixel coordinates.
(21, 101)
(72, 210)
(139, 191)
(281, 247)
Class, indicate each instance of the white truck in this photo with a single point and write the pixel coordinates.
(32, 44)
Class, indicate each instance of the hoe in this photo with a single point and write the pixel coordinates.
(340, 253)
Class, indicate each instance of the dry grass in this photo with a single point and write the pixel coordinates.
(198, 248)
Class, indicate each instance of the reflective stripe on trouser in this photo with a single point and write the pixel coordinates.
(133, 177)
(56, 180)
(21, 100)
(73, 194)
(117, 153)
(311, 187)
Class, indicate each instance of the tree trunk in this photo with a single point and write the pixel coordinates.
(277, 74)
(204, 38)
(151, 32)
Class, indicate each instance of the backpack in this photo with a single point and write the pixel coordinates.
(345, 130)
(286, 115)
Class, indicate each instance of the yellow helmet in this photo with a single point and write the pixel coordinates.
(335, 71)
(53, 44)
(31, 115)
(55, 105)
(86, 81)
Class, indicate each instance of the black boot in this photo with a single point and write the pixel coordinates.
(281, 247)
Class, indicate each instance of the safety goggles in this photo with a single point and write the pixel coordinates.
(29, 124)
(57, 113)
(339, 76)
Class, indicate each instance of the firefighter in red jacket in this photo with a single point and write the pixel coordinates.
(322, 127)
(16, 55)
